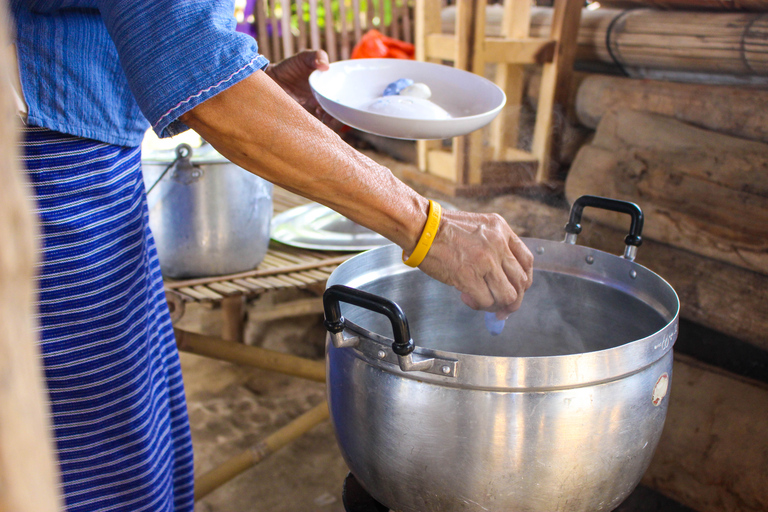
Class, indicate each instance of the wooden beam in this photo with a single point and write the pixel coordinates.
(555, 80)
(440, 47)
(299, 307)
(520, 51)
(516, 23)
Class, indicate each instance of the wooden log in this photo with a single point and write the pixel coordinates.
(701, 191)
(703, 5)
(28, 473)
(738, 111)
(641, 39)
(713, 453)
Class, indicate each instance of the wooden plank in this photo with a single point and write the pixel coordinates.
(301, 40)
(519, 51)
(208, 293)
(261, 283)
(285, 26)
(356, 24)
(555, 80)
(518, 155)
(232, 318)
(223, 288)
(260, 272)
(193, 293)
(515, 23)
(406, 21)
(235, 287)
(288, 278)
(247, 285)
(346, 47)
(442, 163)
(276, 54)
(314, 26)
(260, 13)
(29, 474)
(383, 27)
(441, 47)
(300, 307)
(330, 31)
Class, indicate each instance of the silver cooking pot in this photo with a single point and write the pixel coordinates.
(562, 412)
(208, 216)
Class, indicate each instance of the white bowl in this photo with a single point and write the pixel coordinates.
(349, 87)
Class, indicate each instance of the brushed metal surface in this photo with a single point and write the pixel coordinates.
(210, 220)
(555, 415)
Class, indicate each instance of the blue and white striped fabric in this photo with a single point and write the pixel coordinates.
(109, 356)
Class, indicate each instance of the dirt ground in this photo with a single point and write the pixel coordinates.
(231, 408)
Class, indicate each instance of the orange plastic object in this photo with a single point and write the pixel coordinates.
(375, 45)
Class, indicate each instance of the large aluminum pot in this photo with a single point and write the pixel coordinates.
(562, 412)
(208, 216)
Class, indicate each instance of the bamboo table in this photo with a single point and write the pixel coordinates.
(283, 268)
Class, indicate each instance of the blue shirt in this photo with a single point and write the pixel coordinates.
(107, 69)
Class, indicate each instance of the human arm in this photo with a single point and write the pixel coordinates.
(255, 124)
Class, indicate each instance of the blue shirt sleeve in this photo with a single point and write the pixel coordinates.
(178, 53)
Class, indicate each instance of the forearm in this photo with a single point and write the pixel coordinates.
(260, 128)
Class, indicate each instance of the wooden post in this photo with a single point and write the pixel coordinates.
(427, 23)
(556, 78)
(233, 318)
(510, 78)
(468, 170)
(28, 471)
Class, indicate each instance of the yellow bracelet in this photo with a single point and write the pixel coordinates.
(427, 236)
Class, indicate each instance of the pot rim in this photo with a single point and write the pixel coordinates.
(531, 372)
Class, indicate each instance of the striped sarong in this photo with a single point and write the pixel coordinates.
(109, 356)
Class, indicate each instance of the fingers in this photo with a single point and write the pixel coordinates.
(312, 59)
(484, 259)
(322, 62)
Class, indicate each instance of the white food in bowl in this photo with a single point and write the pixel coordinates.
(407, 107)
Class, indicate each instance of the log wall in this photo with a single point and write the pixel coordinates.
(639, 40)
(738, 111)
(701, 191)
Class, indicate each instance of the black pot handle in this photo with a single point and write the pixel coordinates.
(334, 322)
(632, 240)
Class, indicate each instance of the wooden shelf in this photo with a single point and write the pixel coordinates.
(465, 166)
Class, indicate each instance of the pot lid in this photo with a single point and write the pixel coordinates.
(317, 227)
(163, 151)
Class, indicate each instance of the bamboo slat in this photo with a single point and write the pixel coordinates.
(285, 27)
(260, 16)
(273, 23)
(282, 29)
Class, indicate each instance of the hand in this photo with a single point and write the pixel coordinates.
(292, 75)
(483, 258)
